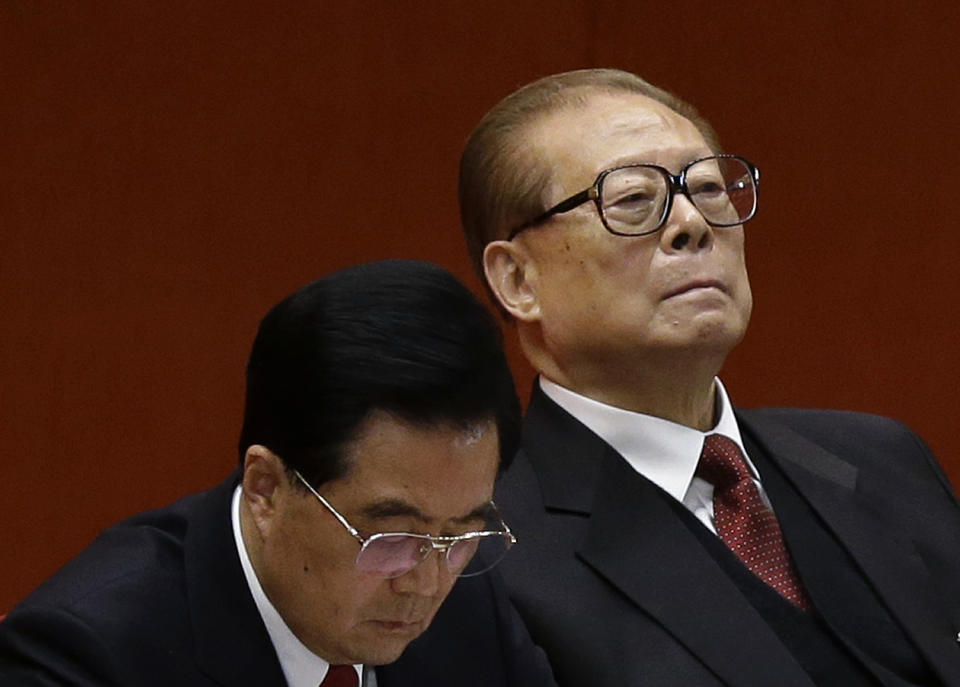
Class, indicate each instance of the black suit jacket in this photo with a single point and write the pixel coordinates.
(161, 600)
(619, 591)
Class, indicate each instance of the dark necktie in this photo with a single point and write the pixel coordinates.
(744, 522)
(340, 676)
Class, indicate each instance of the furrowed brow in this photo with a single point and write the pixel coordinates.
(392, 508)
(485, 512)
(384, 509)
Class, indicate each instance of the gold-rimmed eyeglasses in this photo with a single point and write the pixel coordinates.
(392, 554)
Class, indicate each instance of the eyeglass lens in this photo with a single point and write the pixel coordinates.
(392, 555)
(633, 199)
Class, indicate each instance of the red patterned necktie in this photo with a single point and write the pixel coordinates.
(744, 522)
(340, 676)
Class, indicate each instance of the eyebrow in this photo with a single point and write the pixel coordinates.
(631, 160)
(385, 508)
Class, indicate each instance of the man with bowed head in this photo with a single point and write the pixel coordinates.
(671, 537)
(379, 404)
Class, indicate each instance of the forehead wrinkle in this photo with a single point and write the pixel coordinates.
(625, 121)
(657, 154)
(628, 119)
(634, 119)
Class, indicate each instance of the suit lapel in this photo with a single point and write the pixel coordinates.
(638, 544)
(231, 641)
(829, 484)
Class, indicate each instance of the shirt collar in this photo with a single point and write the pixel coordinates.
(664, 452)
(301, 667)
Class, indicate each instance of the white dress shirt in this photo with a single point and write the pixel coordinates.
(664, 452)
(301, 667)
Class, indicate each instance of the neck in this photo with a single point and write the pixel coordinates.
(675, 386)
(692, 407)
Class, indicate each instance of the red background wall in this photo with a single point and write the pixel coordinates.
(169, 170)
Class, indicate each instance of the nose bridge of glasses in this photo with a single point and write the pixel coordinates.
(426, 544)
(450, 549)
(676, 185)
(677, 188)
(442, 545)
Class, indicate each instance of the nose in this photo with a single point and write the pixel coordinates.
(685, 229)
(425, 579)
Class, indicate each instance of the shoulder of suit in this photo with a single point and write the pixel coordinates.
(860, 438)
(127, 566)
(829, 422)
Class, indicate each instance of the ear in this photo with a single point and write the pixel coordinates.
(511, 274)
(264, 485)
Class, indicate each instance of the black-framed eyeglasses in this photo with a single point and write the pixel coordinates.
(635, 200)
(392, 554)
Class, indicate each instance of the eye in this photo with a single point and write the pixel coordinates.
(633, 196)
(631, 201)
(707, 188)
(634, 200)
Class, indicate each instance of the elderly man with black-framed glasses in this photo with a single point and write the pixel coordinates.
(672, 538)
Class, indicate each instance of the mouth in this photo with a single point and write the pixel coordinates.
(696, 285)
(398, 626)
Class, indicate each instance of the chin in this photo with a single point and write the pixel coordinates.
(378, 646)
(713, 329)
(722, 339)
(383, 654)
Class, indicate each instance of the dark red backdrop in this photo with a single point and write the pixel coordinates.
(169, 170)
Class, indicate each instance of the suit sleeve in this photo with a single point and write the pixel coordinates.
(935, 515)
(46, 647)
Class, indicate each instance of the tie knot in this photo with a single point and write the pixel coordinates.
(721, 462)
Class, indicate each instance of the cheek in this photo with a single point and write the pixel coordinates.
(743, 293)
(308, 574)
(359, 600)
(746, 298)
(337, 599)
(587, 271)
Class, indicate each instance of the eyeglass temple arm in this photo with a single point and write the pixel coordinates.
(506, 527)
(570, 203)
(343, 521)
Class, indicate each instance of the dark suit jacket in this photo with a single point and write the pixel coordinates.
(618, 591)
(161, 600)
